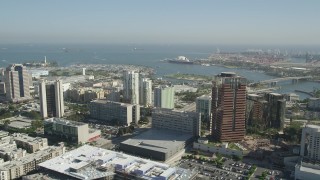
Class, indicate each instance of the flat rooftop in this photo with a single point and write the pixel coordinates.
(88, 161)
(26, 138)
(101, 101)
(65, 122)
(160, 140)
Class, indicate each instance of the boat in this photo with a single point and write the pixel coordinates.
(180, 60)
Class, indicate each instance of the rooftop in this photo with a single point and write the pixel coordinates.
(28, 158)
(205, 97)
(111, 102)
(26, 138)
(65, 122)
(92, 162)
(158, 140)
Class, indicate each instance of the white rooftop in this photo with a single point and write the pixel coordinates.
(85, 160)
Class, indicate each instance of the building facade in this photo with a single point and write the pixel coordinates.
(314, 104)
(145, 92)
(276, 110)
(110, 111)
(84, 95)
(16, 80)
(70, 130)
(51, 99)
(131, 87)
(180, 121)
(164, 97)
(256, 110)
(228, 107)
(310, 147)
(203, 106)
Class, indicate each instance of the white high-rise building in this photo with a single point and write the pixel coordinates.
(145, 92)
(51, 99)
(164, 97)
(310, 146)
(131, 87)
(17, 83)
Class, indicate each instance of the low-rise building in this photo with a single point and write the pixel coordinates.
(221, 148)
(9, 150)
(158, 144)
(84, 95)
(22, 166)
(70, 130)
(31, 144)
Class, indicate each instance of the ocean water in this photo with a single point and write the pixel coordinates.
(146, 55)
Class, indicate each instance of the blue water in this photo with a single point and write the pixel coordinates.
(146, 55)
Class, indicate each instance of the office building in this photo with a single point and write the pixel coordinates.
(276, 110)
(16, 80)
(2, 88)
(228, 107)
(164, 97)
(265, 111)
(110, 111)
(310, 147)
(51, 99)
(88, 162)
(256, 111)
(180, 121)
(314, 104)
(131, 87)
(308, 171)
(70, 130)
(145, 92)
(203, 106)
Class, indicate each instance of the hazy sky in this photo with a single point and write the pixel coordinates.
(163, 21)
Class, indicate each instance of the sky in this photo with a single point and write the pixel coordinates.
(287, 22)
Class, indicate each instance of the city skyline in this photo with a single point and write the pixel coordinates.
(182, 22)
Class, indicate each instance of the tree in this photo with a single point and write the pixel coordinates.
(236, 158)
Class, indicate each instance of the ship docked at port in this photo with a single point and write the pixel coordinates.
(180, 60)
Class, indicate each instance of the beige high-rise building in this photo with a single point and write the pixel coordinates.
(145, 92)
(16, 80)
(51, 99)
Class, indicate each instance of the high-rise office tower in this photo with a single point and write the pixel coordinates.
(131, 87)
(203, 106)
(145, 92)
(17, 83)
(228, 107)
(276, 110)
(164, 97)
(51, 99)
(310, 147)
